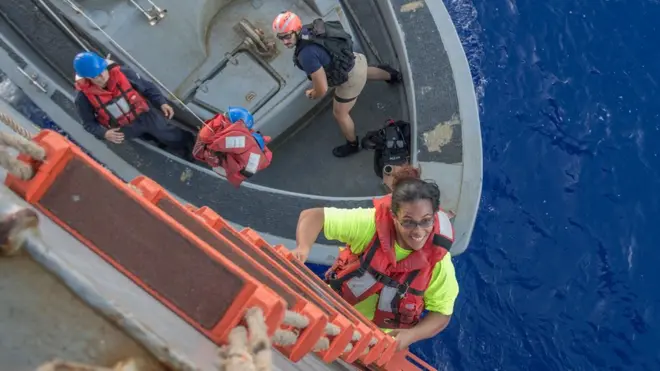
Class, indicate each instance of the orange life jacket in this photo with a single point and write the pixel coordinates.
(400, 285)
(232, 147)
(118, 103)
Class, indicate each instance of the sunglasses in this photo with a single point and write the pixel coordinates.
(412, 224)
(285, 37)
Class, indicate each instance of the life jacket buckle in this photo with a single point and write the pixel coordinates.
(402, 290)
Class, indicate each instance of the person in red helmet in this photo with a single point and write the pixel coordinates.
(115, 104)
(324, 50)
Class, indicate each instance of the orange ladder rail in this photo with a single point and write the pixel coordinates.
(394, 361)
(309, 336)
(385, 345)
(83, 198)
(405, 361)
(365, 333)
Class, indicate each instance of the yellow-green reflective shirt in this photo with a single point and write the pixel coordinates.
(356, 227)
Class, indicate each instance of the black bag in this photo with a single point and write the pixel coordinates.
(391, 145)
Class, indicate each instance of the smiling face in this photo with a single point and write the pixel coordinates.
(288, 39)
(414, 223)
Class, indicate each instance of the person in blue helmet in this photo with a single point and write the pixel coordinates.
(114, 103)
(235, 114)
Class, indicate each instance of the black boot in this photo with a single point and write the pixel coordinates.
(395, 76)
(347, 149)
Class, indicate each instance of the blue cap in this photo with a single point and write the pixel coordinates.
(235, 113)
(89, 64)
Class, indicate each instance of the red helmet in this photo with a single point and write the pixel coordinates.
(287, 22)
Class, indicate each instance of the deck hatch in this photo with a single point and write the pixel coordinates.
(241, 82)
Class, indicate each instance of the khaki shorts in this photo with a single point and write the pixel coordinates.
(357, 78)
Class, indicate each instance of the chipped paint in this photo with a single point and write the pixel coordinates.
(441, 135)
(411, 7)
(186, 174)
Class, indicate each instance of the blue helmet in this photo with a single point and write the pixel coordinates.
(260, 140)
(239, 113)
(89, 64)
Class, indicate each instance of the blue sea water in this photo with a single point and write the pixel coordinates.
(561, 271)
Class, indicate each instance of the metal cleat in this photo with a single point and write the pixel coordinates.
(154, 14)
(257, 40)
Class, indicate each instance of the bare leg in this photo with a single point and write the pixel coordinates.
(341, 111)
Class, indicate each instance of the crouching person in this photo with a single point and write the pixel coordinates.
(229, 144)
(115, 104)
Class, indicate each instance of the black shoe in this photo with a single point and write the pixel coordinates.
(395, 76)
(347, 149)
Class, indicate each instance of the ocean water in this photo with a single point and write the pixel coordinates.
(562, 270)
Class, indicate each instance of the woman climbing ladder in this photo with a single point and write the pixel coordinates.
(396, 263)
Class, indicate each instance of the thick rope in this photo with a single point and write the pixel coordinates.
(23, 145)
(18, 129)
(22, 142)
(249, 349)
(131, 364)
(15, 167)
(12, 230)
(294, 319)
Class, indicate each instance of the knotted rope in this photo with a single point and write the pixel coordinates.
(18, 129)
(249, 348)
(21, 141)
(130, 364)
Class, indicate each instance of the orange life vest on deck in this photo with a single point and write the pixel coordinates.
(232, 147)
(118, 103)
(400, 285)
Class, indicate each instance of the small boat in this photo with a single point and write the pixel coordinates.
(207, 55)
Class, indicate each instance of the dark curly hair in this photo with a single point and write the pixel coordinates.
(407, 186)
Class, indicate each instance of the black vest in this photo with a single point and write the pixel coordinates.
(337, 42)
